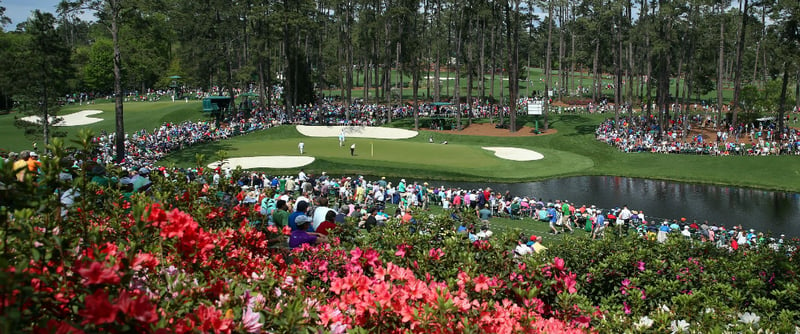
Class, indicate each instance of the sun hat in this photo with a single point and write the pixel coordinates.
(302, 219)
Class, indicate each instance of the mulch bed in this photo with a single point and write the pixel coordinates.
(489, 129)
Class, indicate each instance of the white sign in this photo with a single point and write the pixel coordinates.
(535, 107)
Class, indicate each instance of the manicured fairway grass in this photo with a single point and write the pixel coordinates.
(137, 116)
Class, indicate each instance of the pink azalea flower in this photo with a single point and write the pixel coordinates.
(626, 308)
(558, 263)
(435, 253)
(481, 283)
(640, 266)
(401, 251)
(250, 321)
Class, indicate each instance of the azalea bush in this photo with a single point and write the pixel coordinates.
(187, 257)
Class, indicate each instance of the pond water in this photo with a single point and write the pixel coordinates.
(768, 211)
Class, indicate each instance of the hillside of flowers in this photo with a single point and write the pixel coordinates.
(186, 257)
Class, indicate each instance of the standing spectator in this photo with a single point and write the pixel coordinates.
(21, 165)
(484, 213)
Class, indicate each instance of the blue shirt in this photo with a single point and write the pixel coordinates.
(551, 212)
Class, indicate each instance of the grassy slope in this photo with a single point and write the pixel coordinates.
(137, 116)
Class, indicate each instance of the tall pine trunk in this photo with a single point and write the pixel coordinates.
(737, 81)
(119, 134)
(547, 65)
(720, 65)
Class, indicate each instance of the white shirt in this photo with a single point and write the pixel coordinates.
(319, 216)
(625, 214)
(522, 250)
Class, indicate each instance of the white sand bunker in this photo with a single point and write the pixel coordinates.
(274, 161)
(516, 154)
(356, 132)
(74, 119)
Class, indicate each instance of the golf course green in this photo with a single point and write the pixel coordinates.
(571, 151)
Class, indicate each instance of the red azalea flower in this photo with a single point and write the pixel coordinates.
(144, 260)
(98, 310)
(143, 310)
(97, 273)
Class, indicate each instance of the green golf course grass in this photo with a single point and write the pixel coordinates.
(137, 116)
(571, 151)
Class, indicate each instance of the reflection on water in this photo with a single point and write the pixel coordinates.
(776, 212)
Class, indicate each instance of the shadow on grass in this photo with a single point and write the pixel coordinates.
(584, 129)
(572, 119)
(186, 156)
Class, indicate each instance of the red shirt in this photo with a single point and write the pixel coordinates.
(324, 227)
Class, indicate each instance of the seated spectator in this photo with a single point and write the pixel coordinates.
(537, 246)
(328, 224)
(300, 236)
(342, 215)
(522, 248)
(485, 233)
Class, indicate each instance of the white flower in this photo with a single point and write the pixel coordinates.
(749, 318)
(664, 308)
(679, 326)
(644, 323)
(709, 310)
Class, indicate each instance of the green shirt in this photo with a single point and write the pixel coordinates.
(280, 217)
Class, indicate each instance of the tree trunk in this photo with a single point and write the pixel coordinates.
(45, 116)
(513, 80)
(678, 86)
(782, 102)
(415, 88)
(456, 91)
(547, 70)
(119, 134)
(737, 83)
(469, 64)
(649, 77)
(617, 74)
(572, 63)
(288, 86)
(494, 68)
(595, 69)
(797, 91)
(720, 66)
(560, 82)
(482, 65)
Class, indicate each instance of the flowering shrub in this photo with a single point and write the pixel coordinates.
(188, 259)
